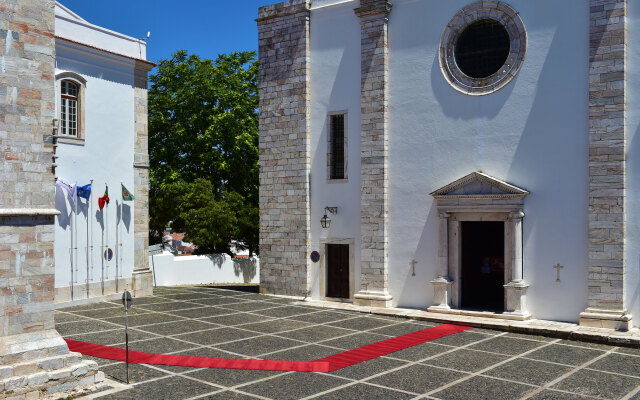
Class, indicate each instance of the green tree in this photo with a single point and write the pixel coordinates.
(203, 147)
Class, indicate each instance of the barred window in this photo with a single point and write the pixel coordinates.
(337, 147)
(482, 48)
(69, 108)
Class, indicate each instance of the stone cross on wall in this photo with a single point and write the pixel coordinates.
(558, 267)
(413, 266)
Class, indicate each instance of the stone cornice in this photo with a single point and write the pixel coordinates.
(373, 10)
(479, 196)
(143, 66)
(141, 165)
(28, 212)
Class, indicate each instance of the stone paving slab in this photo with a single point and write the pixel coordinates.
(480, 363)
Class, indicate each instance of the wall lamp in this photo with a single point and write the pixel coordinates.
(325, 221)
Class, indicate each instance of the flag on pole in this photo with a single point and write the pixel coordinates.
(104, 199)
(67, 187)
(84, 191)
(126, 194)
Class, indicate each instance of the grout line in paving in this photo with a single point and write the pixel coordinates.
(631, 394)
(309, 343)
(116, 387)
(353, 383)
(351, 316)
(567, 374)
(255, 337)
(407, 365)
(613, 373)
(480, 372)
(206, 395)
(239, 326)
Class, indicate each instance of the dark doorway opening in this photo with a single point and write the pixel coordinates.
(338, 271)
(482, 275)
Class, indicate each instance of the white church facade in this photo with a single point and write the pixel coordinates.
(101, 139)
(473, 157)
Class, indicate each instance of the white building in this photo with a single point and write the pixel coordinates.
(101, 89)
(481, 155)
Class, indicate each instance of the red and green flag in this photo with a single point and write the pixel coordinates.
(104, 199)
(126, 194)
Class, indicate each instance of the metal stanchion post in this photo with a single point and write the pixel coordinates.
(126, 302)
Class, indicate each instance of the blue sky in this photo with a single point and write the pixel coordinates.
(203, 27)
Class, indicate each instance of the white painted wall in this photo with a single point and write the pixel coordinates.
(73, 27)
(335, 86)
(106, 156)
(206, 269)
(532, 133)
(632, 206)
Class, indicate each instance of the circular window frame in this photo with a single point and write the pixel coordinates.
(514, 26)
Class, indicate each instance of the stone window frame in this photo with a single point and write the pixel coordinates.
(346, 147)
(514, 25)
(322, 265)
(81, 110)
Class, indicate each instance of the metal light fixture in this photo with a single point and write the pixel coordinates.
(325, 221)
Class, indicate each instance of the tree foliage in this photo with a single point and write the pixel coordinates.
(203, 147)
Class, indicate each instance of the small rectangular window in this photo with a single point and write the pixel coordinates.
(337, 159)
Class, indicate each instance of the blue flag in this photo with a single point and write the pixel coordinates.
(84, 191)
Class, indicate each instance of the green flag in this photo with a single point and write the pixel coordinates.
(126, 194)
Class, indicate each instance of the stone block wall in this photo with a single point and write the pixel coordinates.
(374, 151)
(607, 142)
(284, 147)
(27, 211)
(34, 360)
(142, 280)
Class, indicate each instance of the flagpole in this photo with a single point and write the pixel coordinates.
(102, 253)
(106, 224)
(91, 229)
(117, 248)
(120, 232)
(86, 249)
(75, 219)
(71, 230)
(120, 240)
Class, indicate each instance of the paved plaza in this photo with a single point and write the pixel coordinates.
(214, 322)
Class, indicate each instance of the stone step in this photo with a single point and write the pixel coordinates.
(50, 375)
(40, 365)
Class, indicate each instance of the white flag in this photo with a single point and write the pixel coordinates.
(67, 187)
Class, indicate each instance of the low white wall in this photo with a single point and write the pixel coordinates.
(194, 270)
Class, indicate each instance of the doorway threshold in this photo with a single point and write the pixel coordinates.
(484, 314)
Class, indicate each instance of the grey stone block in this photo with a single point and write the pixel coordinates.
(38, 379)
(80, 369)
(60, 374)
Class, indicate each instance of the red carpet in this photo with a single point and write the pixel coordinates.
(326, 364)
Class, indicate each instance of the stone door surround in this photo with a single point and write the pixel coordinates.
(479, 197)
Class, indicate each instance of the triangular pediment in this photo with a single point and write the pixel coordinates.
(479, 185)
